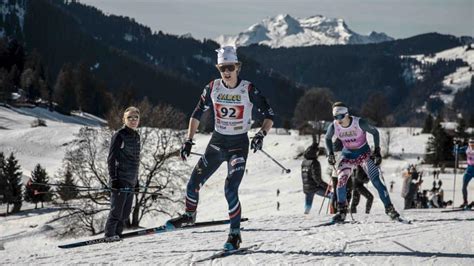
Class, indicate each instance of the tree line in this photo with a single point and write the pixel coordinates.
(37, 190)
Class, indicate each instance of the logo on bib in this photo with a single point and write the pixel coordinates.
(237, 161)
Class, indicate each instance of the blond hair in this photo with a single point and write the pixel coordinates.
(132, 109)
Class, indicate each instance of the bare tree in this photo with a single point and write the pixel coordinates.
(314, 105)
(387, 139)
(161, 174)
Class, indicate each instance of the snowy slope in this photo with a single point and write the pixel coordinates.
(456, 81)
(286, 31)
(286, 236)
(43, 145)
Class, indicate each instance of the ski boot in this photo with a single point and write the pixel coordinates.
(353, 210)
(185, 219)
(340, 216)
(307, 209)
(391, 212)
(114, 238)
(233, 240)
(471, 205)
(464, 205)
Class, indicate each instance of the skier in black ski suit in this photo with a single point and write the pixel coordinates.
(233, 101)
(123, 163)
(311, 175)
(359, 179)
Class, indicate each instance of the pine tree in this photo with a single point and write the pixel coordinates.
(31, 190)
(3, 178)
(37, 189)
(461, 129)
(68, 189)
(63, 93)
(439, 147)
(428, 126)
(14, 184)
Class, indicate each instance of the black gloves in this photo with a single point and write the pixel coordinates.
(186, 149)
(377, 157)
(257, 141)
(331, 159)
(137, 187)
(116, 184)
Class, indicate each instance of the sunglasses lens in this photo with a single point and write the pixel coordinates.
(227, 67)
(132, 117)
(339, 117)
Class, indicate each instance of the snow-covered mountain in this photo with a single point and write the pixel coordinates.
(286, 31)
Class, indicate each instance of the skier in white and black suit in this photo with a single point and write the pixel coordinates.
(233, 100)
(351, 131)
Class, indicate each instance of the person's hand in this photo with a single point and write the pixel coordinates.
(137, 187)
(116, 184)
(257, 141)
(331, 159)
(377, 157)
(185, 150)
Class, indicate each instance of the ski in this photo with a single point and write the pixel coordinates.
(334, 223)
(148, 231)
(457, 210)
(225, 253)
(402, 220)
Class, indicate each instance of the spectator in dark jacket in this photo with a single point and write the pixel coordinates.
(123, 163)
(311, 175)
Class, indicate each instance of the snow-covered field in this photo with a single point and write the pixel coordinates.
(285, 236)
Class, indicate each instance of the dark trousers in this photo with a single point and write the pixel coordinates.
(320, 191)
(120, 208)
(410, 197)
(221, 148)
(360, 189)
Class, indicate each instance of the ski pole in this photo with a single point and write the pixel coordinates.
(88, 189)
(195, 153)
(455, 167)
(275, 161)
(324, 198)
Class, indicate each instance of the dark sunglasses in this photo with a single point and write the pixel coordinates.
(223, 68)
(133, 118)
(339, 116)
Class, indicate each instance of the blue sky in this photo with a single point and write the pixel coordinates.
(210, 18)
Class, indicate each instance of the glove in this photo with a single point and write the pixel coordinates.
(186, 149)
(137, 187)
(331, 159)
(377, 157)
(257, 141)
(116, 184)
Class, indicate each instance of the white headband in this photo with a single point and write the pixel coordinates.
(339, 110)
